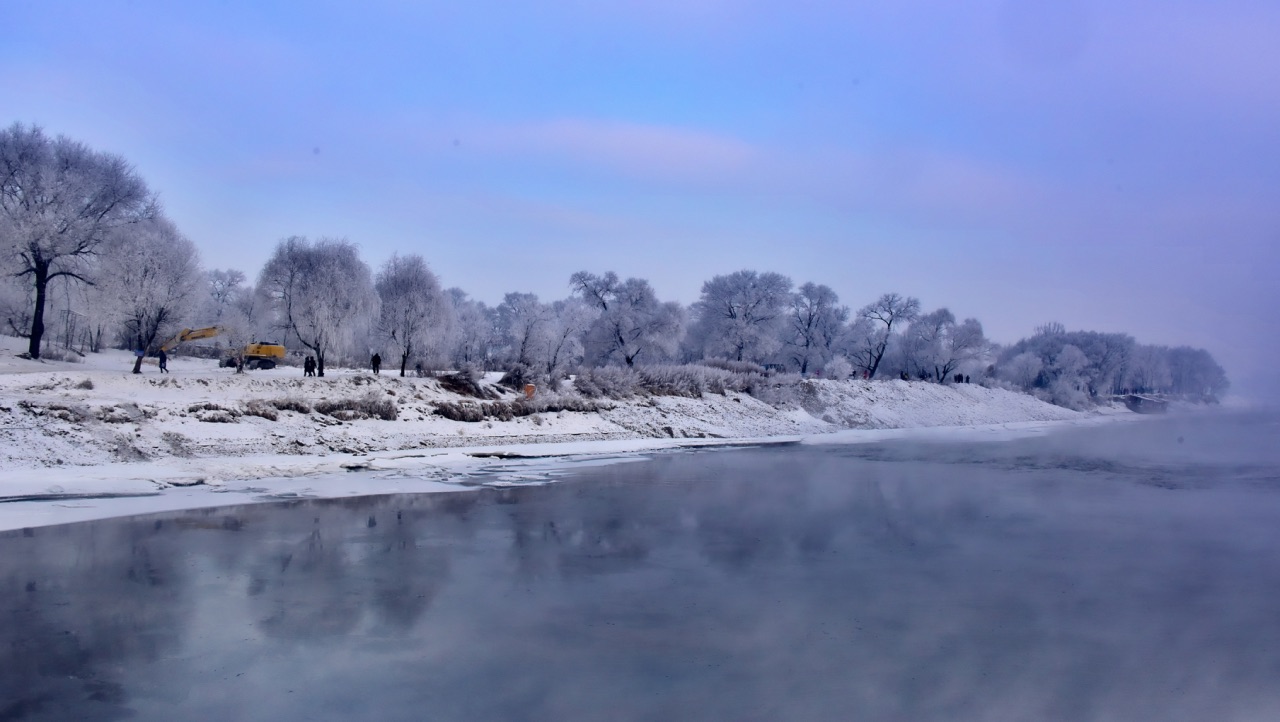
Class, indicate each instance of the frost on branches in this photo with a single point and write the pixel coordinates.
(322, 293)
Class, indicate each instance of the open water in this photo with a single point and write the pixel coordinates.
(1126, 572)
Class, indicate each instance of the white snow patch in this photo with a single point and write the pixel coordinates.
(93, 428)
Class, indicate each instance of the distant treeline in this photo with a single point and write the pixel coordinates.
(91, 260)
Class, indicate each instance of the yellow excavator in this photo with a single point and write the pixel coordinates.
(256, 355)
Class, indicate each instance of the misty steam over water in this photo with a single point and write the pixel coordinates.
(1122, 572)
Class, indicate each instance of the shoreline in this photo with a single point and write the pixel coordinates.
(89, 440)
(121, 490)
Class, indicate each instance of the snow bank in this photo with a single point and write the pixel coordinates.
(93, 429)
(905, 404)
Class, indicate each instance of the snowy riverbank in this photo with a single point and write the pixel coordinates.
(89, 429)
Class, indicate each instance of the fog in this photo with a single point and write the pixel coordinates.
(1115, 573)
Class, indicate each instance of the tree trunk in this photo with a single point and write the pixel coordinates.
(404, 361)
(554, 361)
(37, 316)
(137, 361)
(319, 364)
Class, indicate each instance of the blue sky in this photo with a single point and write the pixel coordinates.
(1111, 165)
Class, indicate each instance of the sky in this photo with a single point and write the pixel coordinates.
(1113, 166)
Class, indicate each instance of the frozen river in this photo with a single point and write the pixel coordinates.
(1124, 572)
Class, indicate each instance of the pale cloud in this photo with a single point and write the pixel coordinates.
(237, 54)
(705, 17)
(1084, 56)
(1204, 55)
(950, 183)
(559, 218)
(269, 168)
(647, 151)
(924, 185)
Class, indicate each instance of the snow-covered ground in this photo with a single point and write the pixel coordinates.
(72, 430)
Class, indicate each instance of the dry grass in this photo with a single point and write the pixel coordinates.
(261, 409)
(508, 410)
(291, 403)
(368, 407)
(212, 413)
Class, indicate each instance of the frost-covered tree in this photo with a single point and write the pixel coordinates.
(1194, 372)
(1022, 370)
(475, 337)
(222, 287)
(741, 316)
(59, 202)
(414, 310)
(873, 328)
(248, 317)
(153, 274)
(838, 369)
(235, 308)
(935, 346)
(1147, 370)
(965, 345)
(1067, 377)
(595, 291)
(91, 308)
(921, 343)
(16, 302)
(1051, 328)
(522, 319)
(567, 322)
(322, 293)
(633, 324)
(815, 321)
(63, 321)
(1107, 355)
(858, 344)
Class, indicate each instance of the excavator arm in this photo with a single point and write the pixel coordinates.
(189, 334)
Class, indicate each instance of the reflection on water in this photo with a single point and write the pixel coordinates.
(1108, 574)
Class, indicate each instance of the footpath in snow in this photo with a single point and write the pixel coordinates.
(73, 433)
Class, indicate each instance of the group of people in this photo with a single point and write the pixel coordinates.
(309, 365)
(958, 378)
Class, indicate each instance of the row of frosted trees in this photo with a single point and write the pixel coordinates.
(90, 260)
(326, 300)
(1071, 368)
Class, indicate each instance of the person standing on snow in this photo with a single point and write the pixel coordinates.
(376, 363)
(164, 362)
